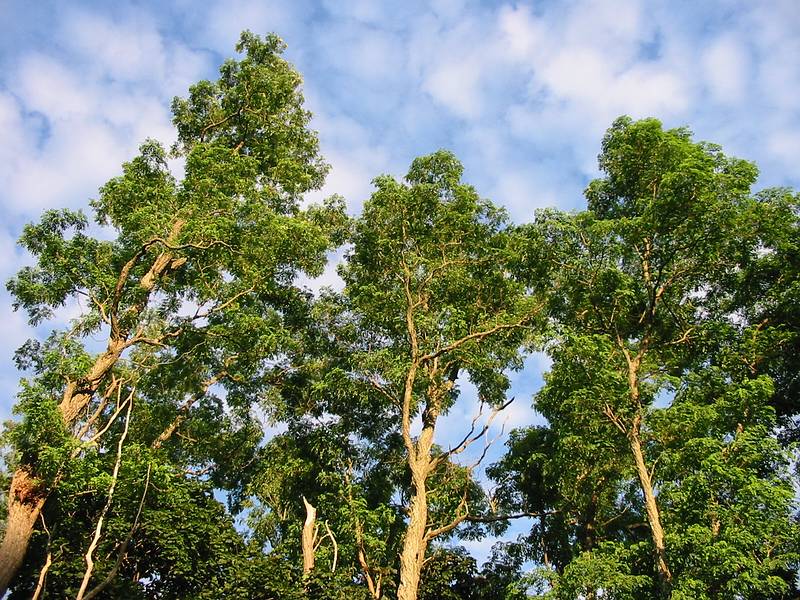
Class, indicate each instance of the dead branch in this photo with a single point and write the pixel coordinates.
(335, 546)
(184, 409)
(46, 567)
(110, 390)
(471, 437)
(308, 537)
(477, 335)
(98, 529)
(112, 418)
(455, 522)
(123, 549)
(508, 517)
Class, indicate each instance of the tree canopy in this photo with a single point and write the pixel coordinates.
(207, 427)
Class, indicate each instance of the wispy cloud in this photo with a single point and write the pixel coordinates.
(521, 91)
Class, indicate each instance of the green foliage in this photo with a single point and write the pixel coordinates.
(195, 297)
(452, 574)
(604, 572)
(670, 307)
(651, 349)
(451, 245)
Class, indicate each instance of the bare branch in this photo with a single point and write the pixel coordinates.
(477, 335)
(308, 537)
(609, 412)
(99, 528)
(184, 409)
(335, 546)
(46, 567)
(224, 305)
(508, 517)
(120, 406)
(123, 549)
(471, 437)
(110, 390)
(380, 388)
(448, 527)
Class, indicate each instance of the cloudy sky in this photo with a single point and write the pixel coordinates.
(522, 92)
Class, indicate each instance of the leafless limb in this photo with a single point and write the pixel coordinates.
(123, 549)
(478, 335)
(46, 567)
(472, 436)
(99, 528)
(223, 306)
(609, 412)
(507, 517)
(183, 411)
(329, 534)
(110, 390)
(309, 536)
(462, 508)
(120, 406)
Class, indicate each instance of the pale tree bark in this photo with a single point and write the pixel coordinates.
(415, 542)
(308, 538)
(26, 495)
(653, 512)
(643, 473)
(440, 375)
(87, 575)
(25, 501)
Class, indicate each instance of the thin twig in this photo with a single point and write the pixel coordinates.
(46, 567)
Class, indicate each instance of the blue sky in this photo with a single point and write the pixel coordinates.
(521, 92)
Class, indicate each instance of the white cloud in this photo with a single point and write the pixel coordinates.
(132, 50)
(454, 61)
(784, 145)
(523, 35)
(366, 11)
(726, 65)
(456, 84)
(78, 116)
(48, 86)
(221, 25)
(75, 160)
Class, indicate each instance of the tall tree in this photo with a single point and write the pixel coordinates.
(191, 295)
(637, 285)
(657, 233)
(428, 281)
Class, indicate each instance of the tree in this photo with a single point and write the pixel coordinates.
(427, 283)
(637, 293)
(194, 294)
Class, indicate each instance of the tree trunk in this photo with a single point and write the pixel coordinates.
(653, 513)
(420, 462)
(25, 503)
(415, 543)
(645, 482)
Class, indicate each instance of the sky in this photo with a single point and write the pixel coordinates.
(522, 92)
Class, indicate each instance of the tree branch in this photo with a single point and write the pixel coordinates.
(98, 529)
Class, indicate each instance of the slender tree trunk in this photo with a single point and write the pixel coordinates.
(645, 482)
(25, 502)
(653, 513)
(415, 543)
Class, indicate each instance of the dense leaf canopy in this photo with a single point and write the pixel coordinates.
(206, 427)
